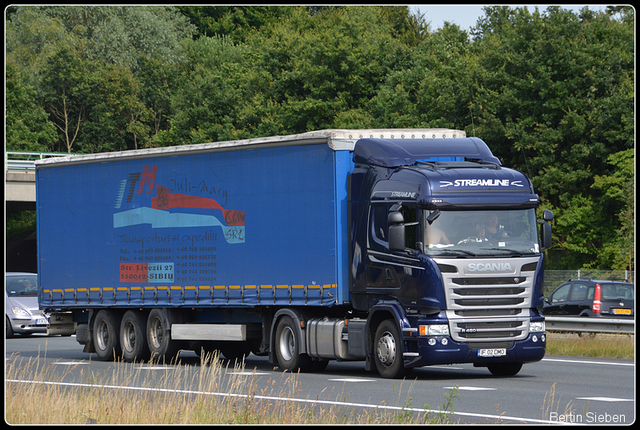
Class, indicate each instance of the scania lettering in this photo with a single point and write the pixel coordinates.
(489, 267)
(397, 247)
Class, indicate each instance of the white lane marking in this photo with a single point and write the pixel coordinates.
(155, 367)
(604, 399)
(588, 362)
(247, 373)
(352, 380)
(471, 388)
(71, 363)
(289, 399)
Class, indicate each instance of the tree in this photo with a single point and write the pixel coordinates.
(27, 127)
(619, 194)
(554, 98)
(434, 89)
(68, 88)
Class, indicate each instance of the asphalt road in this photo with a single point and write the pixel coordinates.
(594, 390)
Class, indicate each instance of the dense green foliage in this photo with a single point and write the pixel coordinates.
(551, 92)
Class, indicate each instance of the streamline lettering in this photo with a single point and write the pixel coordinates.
(481, 183)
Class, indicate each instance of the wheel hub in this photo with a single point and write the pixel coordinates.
(386, 349)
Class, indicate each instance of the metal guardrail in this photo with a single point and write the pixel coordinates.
(591, 325)
(19, 161)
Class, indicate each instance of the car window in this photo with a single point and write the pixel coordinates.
(561, 294)
(579, 292)
(24, 286)
(617, 291)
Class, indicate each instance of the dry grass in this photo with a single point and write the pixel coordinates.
(163, 398)
(600, 345)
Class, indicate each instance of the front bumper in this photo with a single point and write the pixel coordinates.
(446, 351)
(36, 324)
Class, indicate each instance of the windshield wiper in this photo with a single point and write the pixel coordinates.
(449, 251)
(513, 251)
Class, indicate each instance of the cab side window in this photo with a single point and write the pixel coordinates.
(378, 224)
(411, 231)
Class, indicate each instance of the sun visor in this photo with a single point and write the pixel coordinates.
(405, 152)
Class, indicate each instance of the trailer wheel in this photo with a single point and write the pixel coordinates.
(287, 345)
(106, 328)
(387, 352)
(504, 369)
(159, 340)
(133, 336)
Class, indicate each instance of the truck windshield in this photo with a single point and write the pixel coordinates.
(480, 233)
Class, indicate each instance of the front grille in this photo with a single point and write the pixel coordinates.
(491, 307)
(486, 281)
(489, 302)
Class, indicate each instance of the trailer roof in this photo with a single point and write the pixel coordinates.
(337, 139)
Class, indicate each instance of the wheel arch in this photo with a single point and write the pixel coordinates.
(380, 312)
(300, 320)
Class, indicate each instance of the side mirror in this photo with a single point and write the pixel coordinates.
(547, 215)
(396, 237)
(396, 231)
(545, 235)
(545, 230)
(395, 218)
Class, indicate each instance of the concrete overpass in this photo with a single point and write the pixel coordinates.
(20, 191)
(20, 178)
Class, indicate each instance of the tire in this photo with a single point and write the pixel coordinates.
(82, 333)
(387, 351)
(133, 338)
(235, 350)
(106, 332)
(161, 347)
(505, 369)
(9, 329)
(287, 346)
(318, 365)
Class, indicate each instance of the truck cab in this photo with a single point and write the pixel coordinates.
(446, 240)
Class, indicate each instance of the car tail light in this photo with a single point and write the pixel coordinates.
(596, 300)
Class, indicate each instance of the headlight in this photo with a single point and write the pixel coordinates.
(20, 312)
(434, 330)
(536, 327)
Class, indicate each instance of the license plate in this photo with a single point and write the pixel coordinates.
(622, 311)
(495, 352)
(42, 321)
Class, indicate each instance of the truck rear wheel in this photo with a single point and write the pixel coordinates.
(387, 352)
(158, 331)
(133, 336)
(287, 345)
(504, 369)
(106, 330)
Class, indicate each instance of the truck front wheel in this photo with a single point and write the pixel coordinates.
(287, 344)
(132, 336)
(106, 328)
(387, 352)
(159, 340)
(504, 369)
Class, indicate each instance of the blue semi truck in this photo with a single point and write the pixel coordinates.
(397, 247)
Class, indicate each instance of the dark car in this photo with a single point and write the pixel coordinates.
(588, 297)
